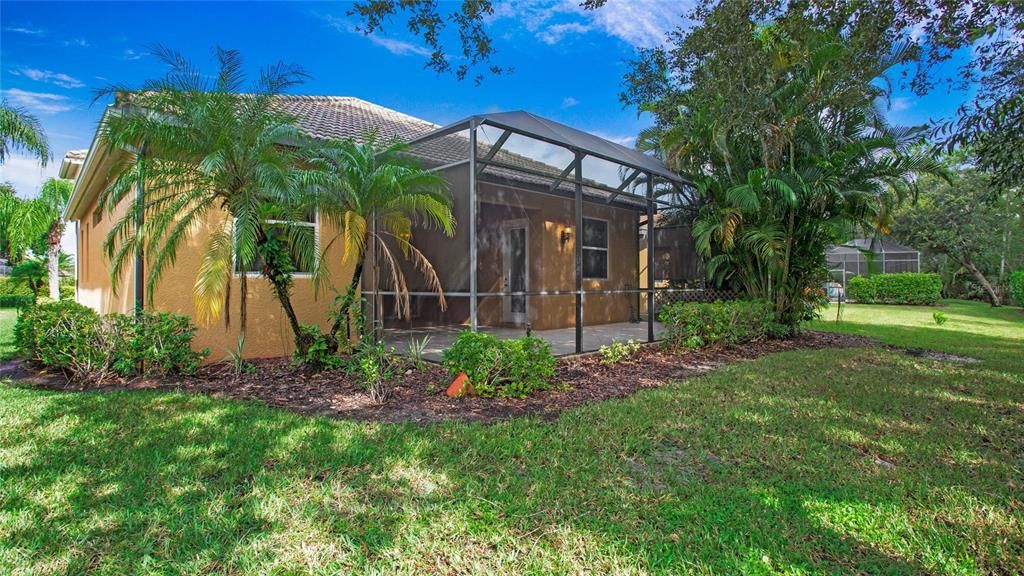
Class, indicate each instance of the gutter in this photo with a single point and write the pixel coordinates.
(86, 176)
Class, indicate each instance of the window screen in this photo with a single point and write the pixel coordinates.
(595, 248)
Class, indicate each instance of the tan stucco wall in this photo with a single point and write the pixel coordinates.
(94, 285)
(267, 331)
(551, 262)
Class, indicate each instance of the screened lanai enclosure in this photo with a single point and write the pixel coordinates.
(560, 233)
(863, 256)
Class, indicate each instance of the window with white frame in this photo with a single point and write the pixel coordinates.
(595, 249)
(281, 229)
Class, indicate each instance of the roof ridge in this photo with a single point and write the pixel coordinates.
(358, 101)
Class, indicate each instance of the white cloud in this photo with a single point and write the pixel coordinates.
(50, 77)
(79, 42)
(25, 173)
(41, 102)
(553, 34)
(569, 102)
(396, 47)
(641, 23)
(25, 30)
(628, 141)
(902, 103)
(130, 54)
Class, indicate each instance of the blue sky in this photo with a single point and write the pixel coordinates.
(568, 63)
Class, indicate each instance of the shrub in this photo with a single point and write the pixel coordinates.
(618, 351)
(87, 347)
(16, 301)
(697, 324)
(14, 287)
(905, 288)
(321, 353)
(154, 343)
(505, 368)
(67, 288)
(1017, 287)
(939, 318)
(66, 336)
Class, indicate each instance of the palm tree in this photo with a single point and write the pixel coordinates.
(43, 215)
(207, 151)
(9, 202)
(20, 130)
(375, 196)
(819, 161)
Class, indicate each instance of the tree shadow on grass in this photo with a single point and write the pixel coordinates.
(710, 475)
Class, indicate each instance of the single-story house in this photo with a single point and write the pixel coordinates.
(559, 232)
(875, 255)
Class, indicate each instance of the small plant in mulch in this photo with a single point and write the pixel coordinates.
(504, 368)
(417, 347)
(376, 368)
(618, 351)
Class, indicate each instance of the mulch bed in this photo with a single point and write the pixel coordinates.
(420, 395)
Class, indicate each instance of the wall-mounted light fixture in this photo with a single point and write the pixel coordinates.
(566, 236)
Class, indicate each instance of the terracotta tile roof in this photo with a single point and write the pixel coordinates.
(341, 117)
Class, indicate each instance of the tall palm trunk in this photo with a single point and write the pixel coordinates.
(53, 255)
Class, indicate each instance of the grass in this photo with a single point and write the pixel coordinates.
(973, 328)
(804, 462)
(7, 319)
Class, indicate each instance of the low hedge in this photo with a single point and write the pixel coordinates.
(87, 347)
(505, 368)
(14, 287)
(15, 292)
(697, 324)
(16, 301)
(1017, 287)
(905, 288)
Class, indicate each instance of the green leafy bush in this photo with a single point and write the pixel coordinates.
(697, 324)
(67, 336)
(67, 288)
(15, 293)
(16, 301)
(618, 351)
(505, 368)
(1017, 287)
(154, 343)
(939, 318)
(321, 354)
(904, 288)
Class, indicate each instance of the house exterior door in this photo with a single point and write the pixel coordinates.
(515, 236)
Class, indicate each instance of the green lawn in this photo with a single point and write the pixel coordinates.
(7, 319)
(972, 328)
(832, 461)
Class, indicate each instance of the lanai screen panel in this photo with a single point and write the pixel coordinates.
(448, 257)
(558, 233)
(871, 256)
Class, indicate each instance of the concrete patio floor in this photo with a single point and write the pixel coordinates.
(563, 340)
